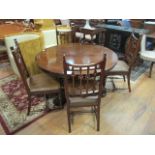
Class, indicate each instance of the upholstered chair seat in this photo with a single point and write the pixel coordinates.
(121, 66)
(42, 82)
(44, 23)
(80, 101)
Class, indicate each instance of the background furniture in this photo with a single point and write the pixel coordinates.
(126, 63)
(150, 25)
(29, 50)
(137, 23)
(44, 23)
(3, 55)
(10, 29)
(64, 34)
(9, 42)
(82, 22)
(49, 37)
(83, 87)
(38, 85)
(145, 54)
(47, 28)
(116, 36)
(89, 35)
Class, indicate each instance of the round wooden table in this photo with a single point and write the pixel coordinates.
(9, 29)
(51, 60)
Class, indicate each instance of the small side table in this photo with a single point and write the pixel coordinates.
(92, 32)
(64, 35)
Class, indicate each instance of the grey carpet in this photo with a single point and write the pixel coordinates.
(139, 70)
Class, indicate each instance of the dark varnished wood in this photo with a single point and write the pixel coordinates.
(51, 60)
(81, 83)
(36, 85)
(131, 53)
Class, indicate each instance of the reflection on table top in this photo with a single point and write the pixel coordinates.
(51, 60)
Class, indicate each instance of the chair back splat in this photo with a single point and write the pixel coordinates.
(21, 67)
(132, 50)
(21, 57)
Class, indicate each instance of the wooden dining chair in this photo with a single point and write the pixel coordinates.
(126, 63)
(84, 87)
(37, 85)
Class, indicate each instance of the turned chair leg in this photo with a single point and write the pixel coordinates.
(129, 87)
(152, 63)
(124, 78)
(29, 106)
(69, 121)
(98, 118)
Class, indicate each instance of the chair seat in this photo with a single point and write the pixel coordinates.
(81, 36)
(120, 66)
(83, 101)
(42, 82)
(148, 55)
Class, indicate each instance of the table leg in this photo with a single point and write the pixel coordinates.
(60, 100)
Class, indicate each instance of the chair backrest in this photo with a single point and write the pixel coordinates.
(18, 50)
(132, 49)
(84, 80)
(9, 42)
(21, 67)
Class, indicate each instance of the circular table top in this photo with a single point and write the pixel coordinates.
(51, 60)
(9, 29)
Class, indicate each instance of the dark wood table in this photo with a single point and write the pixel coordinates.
(51, 60)
(8, 29)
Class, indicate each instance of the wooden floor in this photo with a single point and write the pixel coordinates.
(121, 113)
